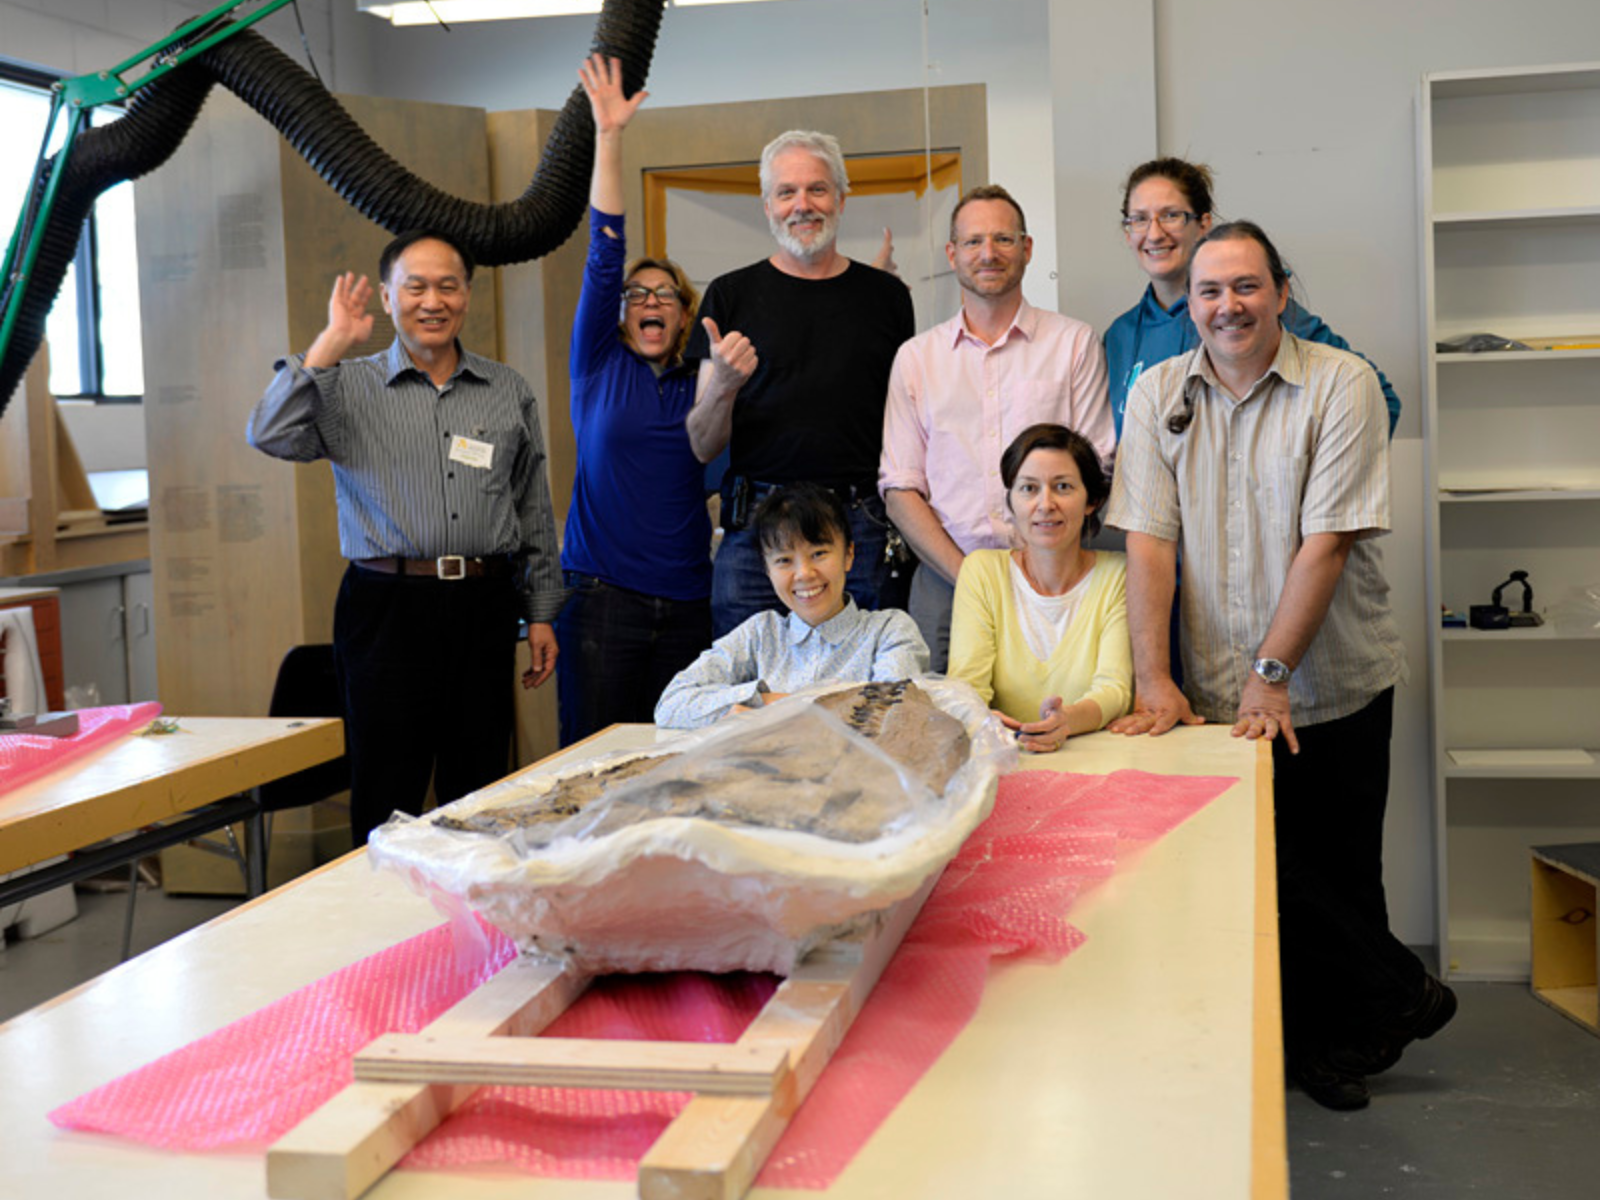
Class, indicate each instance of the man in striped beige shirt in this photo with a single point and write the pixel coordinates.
(1263, 460)
(444, 513)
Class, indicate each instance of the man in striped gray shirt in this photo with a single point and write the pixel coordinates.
(444, 513)
(1264, 460)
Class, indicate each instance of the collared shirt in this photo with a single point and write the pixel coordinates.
(388, 432)
(956, 403)
(1306, 451)
(1148, 334)
(779, 652)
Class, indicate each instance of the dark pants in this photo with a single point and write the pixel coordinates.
(1343, 972)
(426, 669)
(619, 650)
(740, 588)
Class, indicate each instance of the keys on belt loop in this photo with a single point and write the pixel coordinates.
(451, 566)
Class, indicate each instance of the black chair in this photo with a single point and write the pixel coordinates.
(307, 686)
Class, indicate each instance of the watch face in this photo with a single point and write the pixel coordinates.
(1271, 670)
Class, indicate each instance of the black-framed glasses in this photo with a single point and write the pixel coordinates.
(1172, 220)
(637, 293)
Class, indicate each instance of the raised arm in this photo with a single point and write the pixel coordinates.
(286, 421)
(349, 322)
(602, 83)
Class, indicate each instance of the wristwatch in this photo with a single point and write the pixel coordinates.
(1272, 670)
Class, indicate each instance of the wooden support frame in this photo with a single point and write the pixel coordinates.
(745, 1093)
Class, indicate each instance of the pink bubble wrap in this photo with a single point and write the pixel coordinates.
(26, 756)
(1050, 838)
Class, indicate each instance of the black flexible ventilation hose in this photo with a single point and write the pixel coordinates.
(160, 115)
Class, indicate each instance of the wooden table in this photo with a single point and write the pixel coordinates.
(1146, 1064)
(194, 781)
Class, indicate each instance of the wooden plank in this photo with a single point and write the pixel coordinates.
(716, 1069)
(348, 1144)
(714, 1149)
(1580, 1004)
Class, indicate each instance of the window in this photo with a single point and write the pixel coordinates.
(93, 328)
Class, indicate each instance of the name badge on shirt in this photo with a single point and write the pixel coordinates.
(471, 453)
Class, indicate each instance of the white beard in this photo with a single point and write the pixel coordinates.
(816, 248)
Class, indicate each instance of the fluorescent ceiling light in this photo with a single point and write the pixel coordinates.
(422, 12)
(415, 12)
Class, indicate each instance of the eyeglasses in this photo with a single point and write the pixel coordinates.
(637, 293)
(1002, 241)
(1171, 221)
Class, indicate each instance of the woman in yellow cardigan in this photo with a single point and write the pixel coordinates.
(1042, 631)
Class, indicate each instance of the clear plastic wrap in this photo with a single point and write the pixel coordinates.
(737, 847)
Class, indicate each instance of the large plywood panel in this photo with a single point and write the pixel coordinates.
(223, 522)
(240, 241)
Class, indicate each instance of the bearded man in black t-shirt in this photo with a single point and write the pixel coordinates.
(821, 330)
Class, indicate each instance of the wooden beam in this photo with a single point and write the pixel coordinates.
(714, 1149)
(349, 1143)
(717, 1069)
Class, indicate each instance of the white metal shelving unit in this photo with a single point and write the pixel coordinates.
(1510, 186)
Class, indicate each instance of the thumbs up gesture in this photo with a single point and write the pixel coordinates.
(733, 358)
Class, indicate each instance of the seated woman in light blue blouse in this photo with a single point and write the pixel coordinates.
(804, 531)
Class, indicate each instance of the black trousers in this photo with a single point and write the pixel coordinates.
(426, 671)
(619, 650)
(1344, 973)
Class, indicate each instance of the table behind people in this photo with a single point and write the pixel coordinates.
(637, 548)
(444, 513)
(1166, 209)
(965, 389)
(825, 330)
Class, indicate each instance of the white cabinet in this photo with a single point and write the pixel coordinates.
(107, 635)
(1510, 186)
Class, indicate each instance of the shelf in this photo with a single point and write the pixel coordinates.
(1538, 633)
(1517, 764)
(1487, 493)
(1515, 81)
(1512, 218)
(1538, 354)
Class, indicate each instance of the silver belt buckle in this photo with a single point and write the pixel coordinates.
(451, 566)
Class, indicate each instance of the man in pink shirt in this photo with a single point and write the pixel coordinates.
(959, 393)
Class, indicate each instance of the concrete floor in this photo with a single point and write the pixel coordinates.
(1505, 1102)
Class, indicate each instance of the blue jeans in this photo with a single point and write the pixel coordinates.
(740, 587)
(619, 650)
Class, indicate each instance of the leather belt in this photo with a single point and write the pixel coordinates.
(446, 566)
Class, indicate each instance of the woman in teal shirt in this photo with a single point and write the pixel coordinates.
(1166, 210)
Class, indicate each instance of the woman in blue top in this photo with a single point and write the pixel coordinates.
(638, 540)
(1166, 210)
